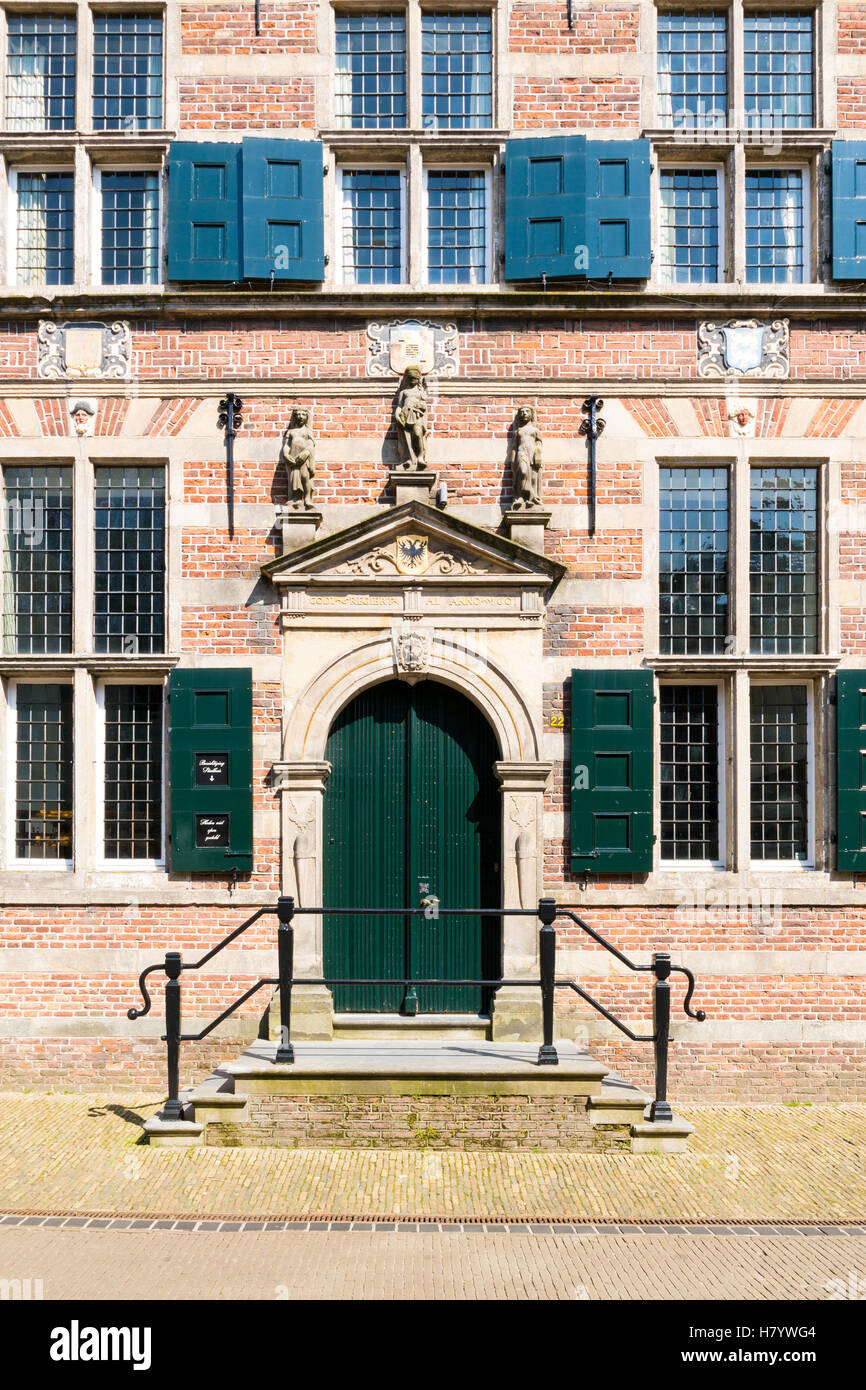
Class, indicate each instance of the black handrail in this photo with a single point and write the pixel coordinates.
(547, 913)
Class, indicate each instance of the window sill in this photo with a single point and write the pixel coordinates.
(719, 664)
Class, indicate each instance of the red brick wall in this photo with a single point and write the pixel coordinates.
(208, 103)
(223, 29)
(544, 28)
(561, 103)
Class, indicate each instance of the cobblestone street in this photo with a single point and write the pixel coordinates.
(439, 1264)
(76, 1153)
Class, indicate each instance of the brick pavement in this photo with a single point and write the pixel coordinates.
(74, 1152)
(424, 1265)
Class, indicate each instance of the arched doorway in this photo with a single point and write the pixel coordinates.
(412, 798)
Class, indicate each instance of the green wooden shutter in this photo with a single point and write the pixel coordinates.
(618, 209)
(211, 769)
(283, 203)
(544, 207)
(849, 210)
(611, 771)
(203, 211)
(851, 771)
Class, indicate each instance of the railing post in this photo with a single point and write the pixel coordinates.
(547, 1055)
(286, 954)
(172, 1110)
(660, 1108)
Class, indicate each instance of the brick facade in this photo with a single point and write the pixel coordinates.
(783, 988)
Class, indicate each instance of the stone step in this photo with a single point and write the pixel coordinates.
(421, 1028)
(429, 1068)
(218, 1104)
(618, 1102)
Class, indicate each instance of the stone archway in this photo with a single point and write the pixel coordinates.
(473, 621)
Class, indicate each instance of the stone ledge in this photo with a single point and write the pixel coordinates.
(652, 1137)
(174, 1134)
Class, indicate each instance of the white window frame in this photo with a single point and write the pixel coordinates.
(790, 865)
(696, 865)
(361, 167)
(695, 166)
(12, 859)
(137, 287)
(791, 166)
(452, 168)
(125, 865)
(13, 231)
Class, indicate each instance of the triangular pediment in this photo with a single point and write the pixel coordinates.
(414, 542)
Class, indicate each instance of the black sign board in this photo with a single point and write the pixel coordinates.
(211, 769)
(211, 831)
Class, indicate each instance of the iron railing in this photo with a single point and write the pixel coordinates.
(547, 913)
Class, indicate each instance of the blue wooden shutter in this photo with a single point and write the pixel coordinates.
(544, 207)
(203, 211)
(851, 771)
(211, 769)
(849, 210)
(283, 203)
(611, 771)
(618, 224)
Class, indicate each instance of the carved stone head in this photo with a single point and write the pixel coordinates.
(526, 415)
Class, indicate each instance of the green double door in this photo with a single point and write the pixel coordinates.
(412, 799)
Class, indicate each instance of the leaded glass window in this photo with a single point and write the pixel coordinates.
(130, 228)
(692, 67)
(130, 559)
(133, 771)
(37, 610)
(372, 219)
(775, 242)
(127, 72)
(44, 251)
(40, 72)
(371, 70)
(43, 772)
(457, 69)
(693, 560)
(457, 227)
(779, 772)
(784, 559)
(778, 68)
(689, 226)
(689, 723)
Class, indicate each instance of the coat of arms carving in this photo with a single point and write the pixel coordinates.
(412, 648)
(743, 347)
(83, 351)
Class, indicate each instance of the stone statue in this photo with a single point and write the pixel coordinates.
(410, 417)
(298, 453)
(526, 460)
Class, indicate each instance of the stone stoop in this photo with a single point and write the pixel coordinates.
(418, 1095)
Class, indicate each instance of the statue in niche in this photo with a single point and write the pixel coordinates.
(298, 453)
(410, 417)
(526, 460)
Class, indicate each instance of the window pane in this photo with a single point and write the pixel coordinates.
(693, 559)
(778, 58)
(689, 225)
(37, 611)
(779, 772)
(689, 721)
(371, 70)
(127, 72)
(784, 559)
(371, 227)
(130, 559)
(43, 773)
(457, 70)
(693, 68)
(774, 225)
(130, 229)
(133, 771)
(456, 232)
(45, 229)
(40, 76)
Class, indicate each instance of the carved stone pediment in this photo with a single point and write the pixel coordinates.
(413, 545)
